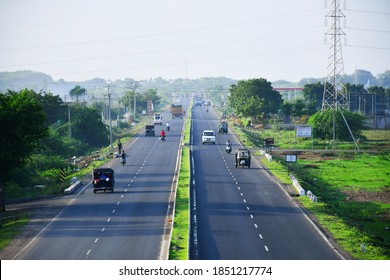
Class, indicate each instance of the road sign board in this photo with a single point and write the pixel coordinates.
(303, 131)
(62, 175)
(291, 158)
(269, 141)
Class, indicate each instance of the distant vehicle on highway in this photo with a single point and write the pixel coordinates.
(157, 119)
(149, 131)
(103, 179)
(243, 157)
(223, 128)
(198, 102)
(208, 136)
(177, 111)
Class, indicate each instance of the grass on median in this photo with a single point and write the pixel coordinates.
(180, 232)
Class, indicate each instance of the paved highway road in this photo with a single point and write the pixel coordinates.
(131, 222)
(243, 213)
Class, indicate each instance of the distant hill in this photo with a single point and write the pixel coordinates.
(42, 82)
(24, 79)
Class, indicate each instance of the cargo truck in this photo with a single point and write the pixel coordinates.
(177, 111)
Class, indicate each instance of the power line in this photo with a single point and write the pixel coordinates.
(369, 12)
(368, 47)
(208, 59)
(369, 30)
(168, 33)
(191, 47)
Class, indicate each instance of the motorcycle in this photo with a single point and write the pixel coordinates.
(162, 138)
(123, 161)
(228, 148)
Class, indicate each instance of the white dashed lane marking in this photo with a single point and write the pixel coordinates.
(122, 196)
(243, 196)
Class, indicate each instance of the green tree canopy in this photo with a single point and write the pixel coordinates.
(87, 126)
(54, 108)
(313, 94)
(254, 98)
(322, 124)
(22, 122)
(141, 99)
(77, 91)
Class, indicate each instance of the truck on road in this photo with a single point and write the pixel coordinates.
(177, 111)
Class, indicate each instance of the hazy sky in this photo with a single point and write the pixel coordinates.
(140, 39)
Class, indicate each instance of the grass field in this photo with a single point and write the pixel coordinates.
(354, 196)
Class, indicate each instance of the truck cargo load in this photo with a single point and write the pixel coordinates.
(177, 111)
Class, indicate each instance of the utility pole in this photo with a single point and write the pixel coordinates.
(133, 85)
(109, 112)
(69, 125)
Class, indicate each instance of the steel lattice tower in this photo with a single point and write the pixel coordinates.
(335, 96)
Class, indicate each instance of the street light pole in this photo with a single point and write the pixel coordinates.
(135, 104)
(109, 112)
(69, 125)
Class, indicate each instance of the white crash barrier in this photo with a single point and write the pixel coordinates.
(311, 196)
(267, 155)
(72, 187)
(296, 184)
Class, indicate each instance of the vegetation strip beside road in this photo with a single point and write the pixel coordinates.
(11, 225)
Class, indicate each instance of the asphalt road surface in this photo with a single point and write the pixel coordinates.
(236, 213)
(130, 223)
(241, 213)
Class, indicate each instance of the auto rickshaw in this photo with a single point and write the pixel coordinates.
(149, 131)
(243, 157)
(223, 128)
(103, 179)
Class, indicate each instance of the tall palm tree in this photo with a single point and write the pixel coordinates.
(77, 91)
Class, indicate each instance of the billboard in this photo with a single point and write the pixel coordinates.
(303, 131)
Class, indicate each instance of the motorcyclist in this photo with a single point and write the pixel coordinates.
(228, 144)
(123, 158)
(167, 126)
(228, 147)
(162, 134)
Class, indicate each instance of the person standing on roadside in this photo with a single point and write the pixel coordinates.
(119, 146)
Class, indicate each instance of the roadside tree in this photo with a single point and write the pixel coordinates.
(322, 124)
(22, 122)
(77, 91)
(254, 98)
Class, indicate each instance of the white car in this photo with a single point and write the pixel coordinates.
(208, 136)
(157, 119)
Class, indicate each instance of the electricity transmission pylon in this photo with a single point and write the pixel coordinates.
(335, 96)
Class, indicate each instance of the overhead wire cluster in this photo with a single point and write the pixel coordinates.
(289, 49)
(157, 51)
